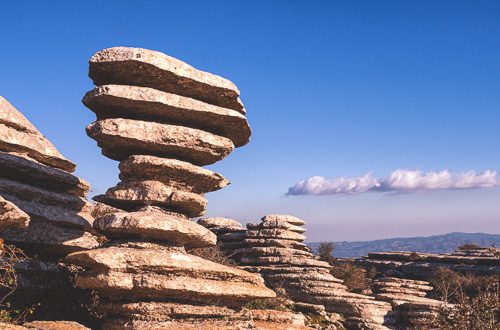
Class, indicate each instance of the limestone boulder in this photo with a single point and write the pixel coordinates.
(275, 234)
(220, 222)
(142, 103)
(44, 205)
(126, 137)
(129, 195)
(60, 241)
(21, 168)
(152, 224)
(276, 224)
(286, 218)
(148, 68)
(12, 216)
(19, 135)
(172, 172)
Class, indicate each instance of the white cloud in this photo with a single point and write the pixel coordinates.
(401, 180)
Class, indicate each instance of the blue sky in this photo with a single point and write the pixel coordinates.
(332, 89)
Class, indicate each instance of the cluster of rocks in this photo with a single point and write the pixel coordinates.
(408, 298)
(422, 265)
(275, 248)
(43, 210)
(163, 120)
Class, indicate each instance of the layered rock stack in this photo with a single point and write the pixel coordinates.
(275, 248)
(408, 298)
(163, 119)
(36, 186)
(423, 265)
(230, 233)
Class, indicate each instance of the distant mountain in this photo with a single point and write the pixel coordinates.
(431, 244)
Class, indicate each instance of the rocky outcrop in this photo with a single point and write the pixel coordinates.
(44, 325)
(163, 119)
(275, 249)
(408, 298)
(44, 211)
(230, 233)
(422, 265)
(36, 186)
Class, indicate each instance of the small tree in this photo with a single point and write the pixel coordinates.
(325, 252)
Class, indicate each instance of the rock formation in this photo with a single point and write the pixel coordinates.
(408, 299)
(44, 325)
(484, 261)
(230, 233)
(43, 210)
(275, 248)
(162, 119)
(36, 186)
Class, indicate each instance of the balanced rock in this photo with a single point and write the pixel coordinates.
(148, 68)
(163, 119)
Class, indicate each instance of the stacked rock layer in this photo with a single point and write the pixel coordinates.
(275, 248)
(408, 298)
(162, 119)
(422, 265)
(36, 186)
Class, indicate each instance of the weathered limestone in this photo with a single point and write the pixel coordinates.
(148, 68)
(35, 178)
(128, 195)
(47, 212)
(172, 172)
(229, 232)
(275, 249)
(126, 137)
(143, 103)
(11, 216)
(44, 325)
(150, 224)
(408, 298)
(162, 119)
(422, 265)
(20, 136)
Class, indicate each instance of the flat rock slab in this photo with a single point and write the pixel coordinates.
(276, 233)
(292, 261)
(127, 137)
(17, 134)
(219, 222)
(149, 68)
(272, 251)
(164, 311)
(155, 225)
(12, 216)
(128, 195)
(142, 286)
(40, 204)
(276, 224)
(166, 274)
(276, 242)
(148, 104)
(60, 241)
(21, 168)
(287, 218)
(184, 324)
(160, 261)
(55, 325)
(172, 172)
